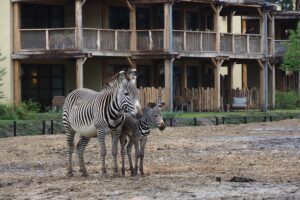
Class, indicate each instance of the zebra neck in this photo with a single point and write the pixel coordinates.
(143, 127)
(114, 109)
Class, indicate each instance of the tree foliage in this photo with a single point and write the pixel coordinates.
(285, 4)
(2, 74)
(291, 59)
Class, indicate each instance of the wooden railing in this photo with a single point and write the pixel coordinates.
(47, 39)
(120, 40)
(252, 95)
(194, 40)
(240, 43)
(150, 39)
(279, 47)
(106, 39)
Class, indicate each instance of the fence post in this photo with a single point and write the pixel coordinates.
(44, 127)
(265, 119)
(15, 128)
(245, 120)
(291, 117)
(171, 121)
(195, 121)
(223, 120)
(217, 121)
(51, 128)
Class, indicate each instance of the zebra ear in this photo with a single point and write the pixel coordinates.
(161, 104)
(122, 76)
(132, 74)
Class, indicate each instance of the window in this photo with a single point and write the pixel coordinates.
(192, 77)
(42, 82)
(42, 16)
(118, 17)
(191, 21)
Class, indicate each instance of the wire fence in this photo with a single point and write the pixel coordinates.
(10, 128)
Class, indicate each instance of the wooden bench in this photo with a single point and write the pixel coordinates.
(58, 102)
(239, 103)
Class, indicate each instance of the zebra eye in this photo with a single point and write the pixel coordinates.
(126, 94)
(156, 115)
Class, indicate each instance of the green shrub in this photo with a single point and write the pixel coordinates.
(169, 114)
(26, 110)
(287, 100)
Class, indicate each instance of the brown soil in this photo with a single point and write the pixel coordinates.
(180, 163)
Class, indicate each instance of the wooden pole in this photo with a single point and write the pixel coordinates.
(229, 22)
(79, 73)
(230, 83)
(78, 23)
(244, 76)
(133, 28)
(17, 81)
(217, 27)
(273, 87)
(261, 84)
(217, 83)
(16, 25)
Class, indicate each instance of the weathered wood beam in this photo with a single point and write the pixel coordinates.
(273, 86)
(79, 73)
(83, 2)
(78, 22)
(244, 76)
(16, 26)
(259, 12)
(260, 64)
(132, 64)
(17, 81)
(129, 5)
(213, 7)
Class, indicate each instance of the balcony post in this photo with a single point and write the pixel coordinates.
(133, 44)
(16, 18)
(273, 86)
(273, 36)
(78, 23)
(230, 82)
(217, 10)
(79, 73)
(168, 46)
(47, 39)
(217, 83)
(116, 40)
(17, 81)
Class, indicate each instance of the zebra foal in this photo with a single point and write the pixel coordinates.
(137, 132)
(94, 114)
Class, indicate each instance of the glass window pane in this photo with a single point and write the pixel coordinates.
(57, 83)
(57, 70)
(57, 92)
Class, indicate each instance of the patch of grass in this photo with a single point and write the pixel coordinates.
(229, 114)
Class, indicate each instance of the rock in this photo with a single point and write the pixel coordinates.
(241, 179)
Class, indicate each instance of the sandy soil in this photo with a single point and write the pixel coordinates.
(180, 163)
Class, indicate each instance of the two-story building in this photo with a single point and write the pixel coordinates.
(56, 46)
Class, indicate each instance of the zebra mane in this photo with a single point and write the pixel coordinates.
(114, 80)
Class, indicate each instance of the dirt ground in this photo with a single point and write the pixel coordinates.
(180, 163)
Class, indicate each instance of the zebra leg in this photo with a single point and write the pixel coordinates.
(137, 153)
(80, 151)
(123, 152)
(114, 150)
(101, 140)
(70, 143)
(142, 153)
(129, 148)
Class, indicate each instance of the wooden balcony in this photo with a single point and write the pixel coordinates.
(119, 42)
(47, 39)
(279, 47)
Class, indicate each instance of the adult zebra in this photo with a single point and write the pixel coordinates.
(93, 114)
